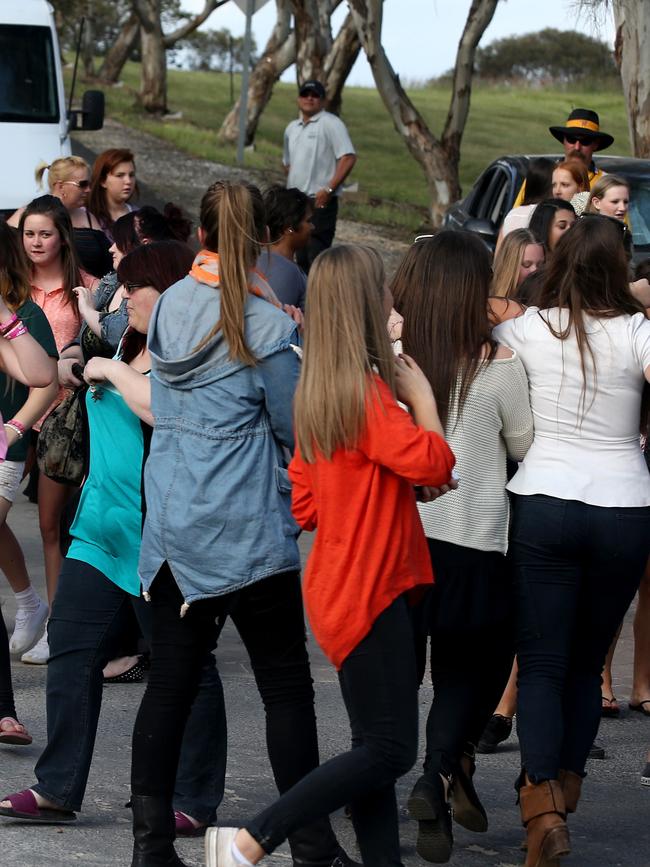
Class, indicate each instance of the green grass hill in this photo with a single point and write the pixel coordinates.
(392, 190)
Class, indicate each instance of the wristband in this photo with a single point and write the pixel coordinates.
(5, 327)
(17, 331)
(17, 427)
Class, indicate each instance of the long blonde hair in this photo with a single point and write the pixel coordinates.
(59, 170)
(602, 185)
(346, 338)
(508, 261)
(233, 220)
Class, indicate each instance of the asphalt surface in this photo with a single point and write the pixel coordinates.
(611, 829)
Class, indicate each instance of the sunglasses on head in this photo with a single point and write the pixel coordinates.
(82, 185)
(583, 139)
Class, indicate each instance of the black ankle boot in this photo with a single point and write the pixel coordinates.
(153, 832)
(430, 807)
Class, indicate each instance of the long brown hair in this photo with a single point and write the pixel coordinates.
(15, 288)
(50, 206)
(441, 289)
(104, 165)
(588, 276)
(234, 222)
(345, 340)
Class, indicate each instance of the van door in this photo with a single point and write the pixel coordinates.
(33, 124)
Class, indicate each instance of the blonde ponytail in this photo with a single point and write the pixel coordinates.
(59, 170)
(41, 168)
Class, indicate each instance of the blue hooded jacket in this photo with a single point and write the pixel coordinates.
(216, 486)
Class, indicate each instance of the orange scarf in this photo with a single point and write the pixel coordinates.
(205, 269)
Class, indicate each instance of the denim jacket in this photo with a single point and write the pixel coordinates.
(217, 490)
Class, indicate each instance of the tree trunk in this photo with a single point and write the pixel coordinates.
(632, 48)
(438, 158)
(313, 37)
(88, 42)
(118, 54)
(279, 54)
(153, 69)
(339, 62)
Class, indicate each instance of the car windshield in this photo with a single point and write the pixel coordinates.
(28, 87)
(640, 211)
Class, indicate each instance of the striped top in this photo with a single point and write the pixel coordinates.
(496, 420)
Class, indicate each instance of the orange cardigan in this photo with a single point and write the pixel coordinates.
(370, 546)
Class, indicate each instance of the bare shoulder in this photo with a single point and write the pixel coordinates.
(503, 352)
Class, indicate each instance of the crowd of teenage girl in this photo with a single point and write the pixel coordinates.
(474, 474)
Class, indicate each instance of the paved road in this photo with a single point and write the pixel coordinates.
(612, 828)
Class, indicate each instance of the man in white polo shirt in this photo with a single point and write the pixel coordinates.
(318, 157)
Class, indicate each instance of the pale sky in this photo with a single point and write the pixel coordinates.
(421, 36)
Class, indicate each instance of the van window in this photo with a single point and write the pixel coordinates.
(28, 86)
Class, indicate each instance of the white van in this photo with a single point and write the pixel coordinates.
(34, 121)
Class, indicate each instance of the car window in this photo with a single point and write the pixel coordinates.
(492, 206)
(476, 202)
(640, 211)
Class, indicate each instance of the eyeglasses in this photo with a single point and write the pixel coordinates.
(583, 139)
(82, 185)
(133, 287)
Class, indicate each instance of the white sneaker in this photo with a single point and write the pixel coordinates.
(29, 623)
(218, 851)
(40, 652)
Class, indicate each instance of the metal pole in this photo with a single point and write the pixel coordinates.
(231, 68)
(243, 99)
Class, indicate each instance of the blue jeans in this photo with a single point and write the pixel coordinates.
(576, 570)
(379, 685)
(85, 625)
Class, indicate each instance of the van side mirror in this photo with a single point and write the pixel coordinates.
(91, 112)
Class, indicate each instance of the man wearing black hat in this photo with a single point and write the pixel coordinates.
(581, 136)
(318, 157)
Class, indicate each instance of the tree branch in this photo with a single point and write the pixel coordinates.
(170, 39)
(480, 14)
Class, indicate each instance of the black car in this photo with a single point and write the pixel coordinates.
(492, 196)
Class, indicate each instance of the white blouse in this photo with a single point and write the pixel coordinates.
(586, 444)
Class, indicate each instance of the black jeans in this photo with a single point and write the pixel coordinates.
(379, 686)
(7, 706)
(269, 618)
(324, 222)
(87, 620)
(469, 616)
(576, 569)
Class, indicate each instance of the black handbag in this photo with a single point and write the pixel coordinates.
(62, 446)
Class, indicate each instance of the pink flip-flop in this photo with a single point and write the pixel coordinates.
(25, 808)
(15, 737)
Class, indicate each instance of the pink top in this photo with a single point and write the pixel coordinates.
(64, 322)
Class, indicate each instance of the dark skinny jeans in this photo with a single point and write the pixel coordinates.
(379, 686)
(268, 615)
(86, 622)
(468, 614)
(576, 569)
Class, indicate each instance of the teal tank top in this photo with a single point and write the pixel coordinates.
(107, 528)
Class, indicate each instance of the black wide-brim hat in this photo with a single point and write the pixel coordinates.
(586, 123)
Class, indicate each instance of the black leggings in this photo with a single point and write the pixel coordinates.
(379, 686)
(469, 617)
(7, 706)
(269, 618)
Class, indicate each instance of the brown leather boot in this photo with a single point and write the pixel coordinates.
(571, 785)
(543, 812)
